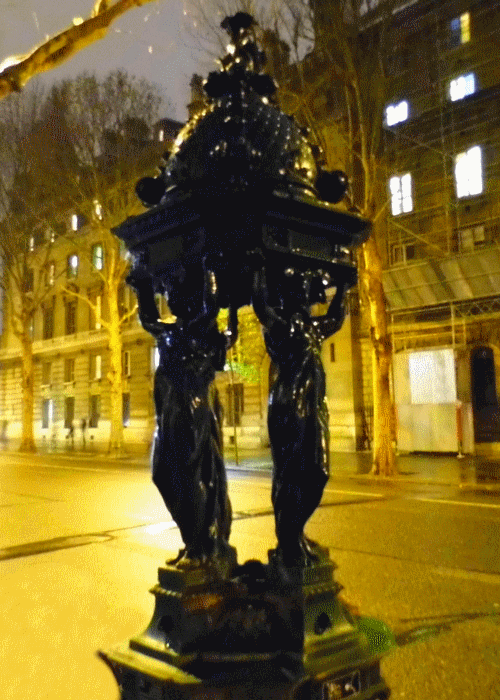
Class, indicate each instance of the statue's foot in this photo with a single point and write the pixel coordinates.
(301, 553)
(216, 556)
(189, 559)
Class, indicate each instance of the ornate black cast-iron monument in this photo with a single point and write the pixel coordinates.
(242, 213)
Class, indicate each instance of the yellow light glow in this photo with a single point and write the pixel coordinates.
(465, 27)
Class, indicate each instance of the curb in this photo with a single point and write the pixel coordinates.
(466, 486)
(264, 466)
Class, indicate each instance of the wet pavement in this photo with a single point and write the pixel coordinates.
(468, 472)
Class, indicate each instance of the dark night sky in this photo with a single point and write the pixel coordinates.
(152, 42)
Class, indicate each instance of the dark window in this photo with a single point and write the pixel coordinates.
(95, 311)
(126, 409)
(59, 228)
(454, 36)
(123, 300)
(126, 363)
(459, 30)
(48, 322)
(69, 370)
(71, 317)
(332, 352)
(29, 279)
(46, 373)
(234, 395)
(46, 413)
(94, 411)
(69, 411)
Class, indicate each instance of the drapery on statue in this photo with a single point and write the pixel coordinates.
(187, 464)
(298, 412)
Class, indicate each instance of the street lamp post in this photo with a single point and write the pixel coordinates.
(243, 213)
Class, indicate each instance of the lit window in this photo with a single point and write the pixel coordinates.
(50, 274)
(161, 135)
(462, 86)
(401, 196)
(96, 366)
(469, 172)
(32, 243)
(394, 114)
(72, 267)
(74, 222)
(460, 29)
(47, 413)
(97, 209)
(97, 256)
(367, 5)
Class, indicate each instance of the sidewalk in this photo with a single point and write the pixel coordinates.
(469, 472)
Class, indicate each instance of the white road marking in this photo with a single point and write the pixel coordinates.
(111, 470)
(77, 469)
(468, 575)
(159, 527)
(248, 482)
(356, 493)
(455, 503)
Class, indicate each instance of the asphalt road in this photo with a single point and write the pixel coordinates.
(82, 541)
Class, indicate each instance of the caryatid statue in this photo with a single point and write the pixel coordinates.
(187, 464)
(298, 412)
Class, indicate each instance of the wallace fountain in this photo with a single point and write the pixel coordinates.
(243, 213)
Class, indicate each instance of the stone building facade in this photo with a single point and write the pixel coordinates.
(440, 171)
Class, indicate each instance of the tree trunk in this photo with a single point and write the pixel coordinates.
(383, 407)
(27, 382)
(115, 375)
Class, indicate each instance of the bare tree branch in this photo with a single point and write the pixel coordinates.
(16, 71)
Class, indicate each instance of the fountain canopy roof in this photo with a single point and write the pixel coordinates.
(243, 175)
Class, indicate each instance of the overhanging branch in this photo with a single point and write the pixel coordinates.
(16, 71)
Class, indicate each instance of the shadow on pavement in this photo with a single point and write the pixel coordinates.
(438, 624)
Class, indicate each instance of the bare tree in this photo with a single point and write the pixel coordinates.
(348, 73)
(16, 71)
(111, 123)
(30, 148)
(339, 91)
(96, 136)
